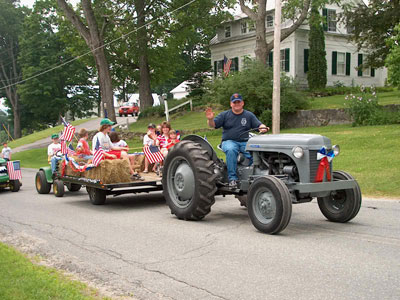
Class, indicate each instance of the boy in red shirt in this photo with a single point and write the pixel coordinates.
(172, 139)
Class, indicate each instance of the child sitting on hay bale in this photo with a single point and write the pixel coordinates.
(110, 151)
(82, 149)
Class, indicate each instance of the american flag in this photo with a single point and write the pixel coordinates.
(153, 154)
(98, 155)
(14, 170)
(67, 150)
(227, 65)
(68, 132)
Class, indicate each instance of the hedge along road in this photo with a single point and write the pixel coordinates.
(134, 246)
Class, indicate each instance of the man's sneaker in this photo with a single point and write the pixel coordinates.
(232, 184)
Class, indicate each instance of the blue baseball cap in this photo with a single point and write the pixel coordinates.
(236, 97)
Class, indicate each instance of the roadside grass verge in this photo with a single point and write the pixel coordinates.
(41, 134)
(21, 279)
(34, 158)
(337, 101)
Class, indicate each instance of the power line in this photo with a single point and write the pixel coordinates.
(106, 44)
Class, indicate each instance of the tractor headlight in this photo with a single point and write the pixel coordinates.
(298, 152)
(336, 149)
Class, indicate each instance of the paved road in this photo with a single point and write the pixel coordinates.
(134, 246)
(92, 124)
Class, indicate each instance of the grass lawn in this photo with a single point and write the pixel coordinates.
(338, 101)
(41, 134)
(20, 279)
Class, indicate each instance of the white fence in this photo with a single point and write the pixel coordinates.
(167, 111)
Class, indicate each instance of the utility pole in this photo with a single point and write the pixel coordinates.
(276, 94)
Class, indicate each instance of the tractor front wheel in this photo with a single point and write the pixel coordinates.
(269, 204)
(189, 181)
(58, 188)
(341, 205)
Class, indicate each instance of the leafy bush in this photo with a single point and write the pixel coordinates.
(342, 90)
(154, 111)
(255, 84)
(365, 110)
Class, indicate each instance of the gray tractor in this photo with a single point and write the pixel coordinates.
(284, 171)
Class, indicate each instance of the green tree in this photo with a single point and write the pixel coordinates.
(295, 10)
(46, 97)
(317, 66)
(11, 19)
(393, 58)
(372, 24)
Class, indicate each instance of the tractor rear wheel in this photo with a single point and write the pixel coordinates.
(269, 204)
(15, 185)
(96, 196)
(58, 188)
(341, 205)
(189, 181)
(42, 186)
(73, 187)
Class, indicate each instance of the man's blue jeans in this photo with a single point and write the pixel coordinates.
(54, 162)
(232, 149)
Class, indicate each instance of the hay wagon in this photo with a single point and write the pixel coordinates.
(111, 177)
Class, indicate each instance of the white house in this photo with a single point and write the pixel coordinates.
(181, 91)
(236, 40)
(134, 98)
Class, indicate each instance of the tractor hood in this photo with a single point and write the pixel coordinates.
(273, 142)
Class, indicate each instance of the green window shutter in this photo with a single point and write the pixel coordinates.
(334, 62)
(215, 68)
(372, 72)
(287, 60)
(306, 52)
(348, 62)
(236, 64)
(360, 61)
(325, 19)
(271, 59)
(221, 66)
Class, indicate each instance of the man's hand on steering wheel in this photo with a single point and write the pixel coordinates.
(263, 129)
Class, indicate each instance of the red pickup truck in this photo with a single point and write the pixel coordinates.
(127, 109)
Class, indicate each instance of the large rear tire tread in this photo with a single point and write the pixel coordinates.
(353, 201)
(42, 186)
(283, 204)
(205, 187)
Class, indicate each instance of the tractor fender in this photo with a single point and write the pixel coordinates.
(204, 144)
(48, 173)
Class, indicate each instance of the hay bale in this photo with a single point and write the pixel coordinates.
(108, 171)
(137, 160)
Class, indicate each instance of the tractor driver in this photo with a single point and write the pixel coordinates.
(236, 124)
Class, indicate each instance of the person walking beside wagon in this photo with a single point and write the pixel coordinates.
(6, 152)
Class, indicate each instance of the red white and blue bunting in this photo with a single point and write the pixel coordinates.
(325, 158)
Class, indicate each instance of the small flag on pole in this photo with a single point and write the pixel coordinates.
(227, 65)
(68, 132)
(153, 154)
(14, 170)
(64, 148)
(98, 155)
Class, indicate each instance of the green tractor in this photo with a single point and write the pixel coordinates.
(44, 179)
(5, 181)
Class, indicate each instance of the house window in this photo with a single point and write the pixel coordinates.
(341, 63)
(252, 26)
(366, 71)
(228, 31)
(284, 59)
(330, 19)
(243, 27)
(270, 21)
